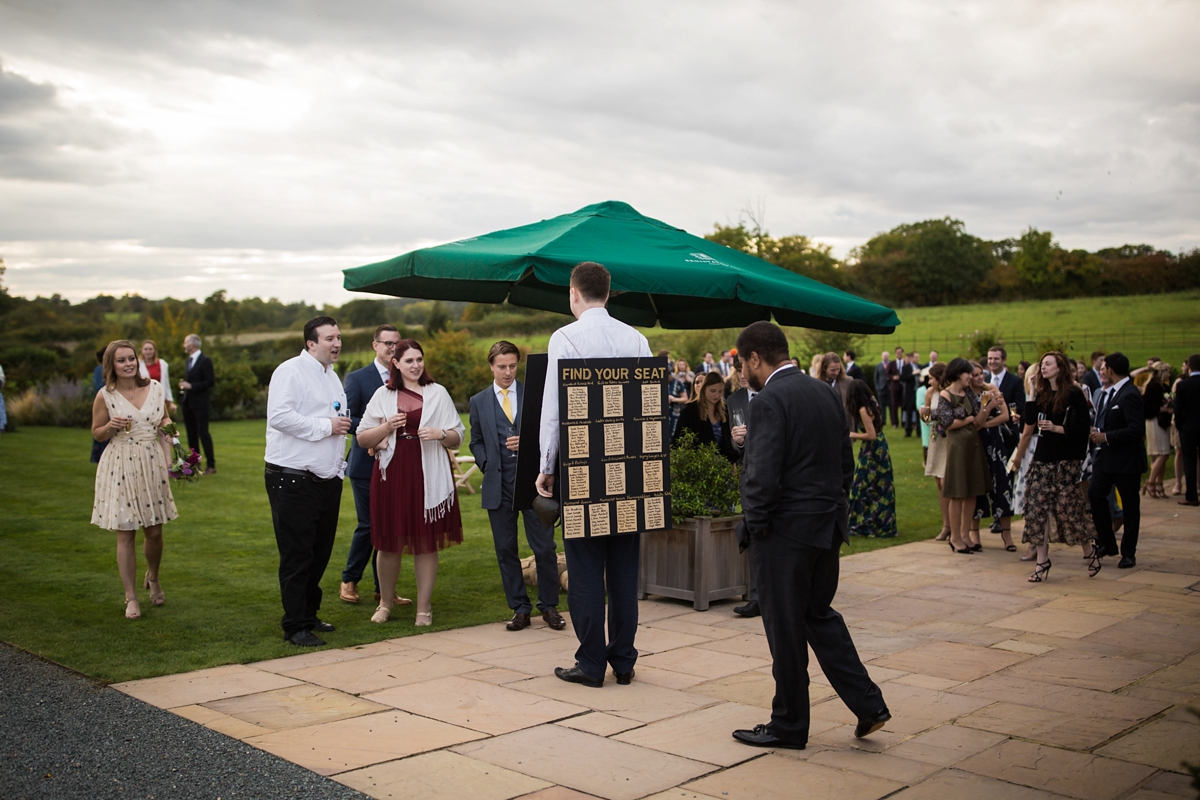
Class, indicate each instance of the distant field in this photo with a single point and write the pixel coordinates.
(1166, 326)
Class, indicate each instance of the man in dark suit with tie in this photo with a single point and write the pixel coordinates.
(495, 428)
(1012, 390)
(739, 401)
(1187, 422)
(1091, 378)
(1120, 435)
(196, 386)
(853, 370)
(795, 496)
(361, 385)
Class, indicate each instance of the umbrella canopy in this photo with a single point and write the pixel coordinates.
(659, 274)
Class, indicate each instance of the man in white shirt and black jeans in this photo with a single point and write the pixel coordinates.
(594, 334)
(307, 423)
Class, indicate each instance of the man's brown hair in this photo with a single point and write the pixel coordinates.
(382, 328)
(592, 281)
(503, 348)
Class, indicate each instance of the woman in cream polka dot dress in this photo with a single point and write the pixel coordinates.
(132, 488)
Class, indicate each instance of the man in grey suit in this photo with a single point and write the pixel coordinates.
(795, 495)
(883, 386)
(495, 428)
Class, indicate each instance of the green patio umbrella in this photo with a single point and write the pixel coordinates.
(659, 274)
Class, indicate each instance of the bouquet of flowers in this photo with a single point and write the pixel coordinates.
(184, 465)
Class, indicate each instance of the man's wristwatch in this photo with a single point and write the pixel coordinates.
(443, 433)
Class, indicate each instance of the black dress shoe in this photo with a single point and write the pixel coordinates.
(624, 678)
(1105, 552)
(868, 725)
(748, 610)
(519, 622)
(323, 627)
(1126, 562)
(761, 737)
(554, 619)
(575, 675)
(305, 639)
(1189, 502)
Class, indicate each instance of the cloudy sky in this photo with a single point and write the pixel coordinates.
(178, 148)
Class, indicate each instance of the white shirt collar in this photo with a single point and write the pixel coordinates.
(1113, 389)
(594, 312)
(314, 361)
(384, 371)
(776, 372)
(998, 376)
(192, 358)
(512, 390)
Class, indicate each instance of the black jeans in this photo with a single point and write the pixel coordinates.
(196, 423)
(796, 584)
(1129, 487)
(305, 513)
(589, 563)
(541, 541)
(360, 546)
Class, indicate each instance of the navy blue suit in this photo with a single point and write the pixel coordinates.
(361, 386)
(489, 429)
(1119, 463)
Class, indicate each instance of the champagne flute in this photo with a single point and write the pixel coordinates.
(737, 417)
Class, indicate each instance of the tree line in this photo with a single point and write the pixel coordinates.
(937, 262)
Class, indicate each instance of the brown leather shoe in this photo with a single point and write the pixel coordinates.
(554, 619)
(349, 592)
(210, 471)
(398, 601)
(519, 622)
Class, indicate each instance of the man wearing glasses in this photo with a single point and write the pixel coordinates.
(360, 387)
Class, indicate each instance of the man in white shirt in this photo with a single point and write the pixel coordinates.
(594, 335)
(708, 365)
(307, 423)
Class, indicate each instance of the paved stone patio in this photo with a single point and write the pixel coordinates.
(998, 688)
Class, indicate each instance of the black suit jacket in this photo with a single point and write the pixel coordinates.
(1187, 405)
(361, 385)
(1092, 381)
(689, 420)
(798, 463)
(484, 444)
(1011, 390)
(200, 376)
(1124, 424)
(855, 372)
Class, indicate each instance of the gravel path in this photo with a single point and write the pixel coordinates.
(65, 736)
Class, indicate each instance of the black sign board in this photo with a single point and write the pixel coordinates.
(614, 446)
(529, 456)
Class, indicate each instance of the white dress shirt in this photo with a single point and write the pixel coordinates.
(512, 397)
(192, 360)
(997, 377)
(303, 395)
(384, 372)
(776, 372)
(594, 335)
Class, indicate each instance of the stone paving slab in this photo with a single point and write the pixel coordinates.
(1073, 688)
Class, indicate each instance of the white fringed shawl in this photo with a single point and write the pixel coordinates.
(437, 411)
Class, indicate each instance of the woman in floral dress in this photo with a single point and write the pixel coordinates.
(872, 494)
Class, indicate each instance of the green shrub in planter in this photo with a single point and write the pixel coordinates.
(703, 482)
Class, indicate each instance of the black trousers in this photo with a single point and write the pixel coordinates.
(1189, 445)
(1129, 487)
(360, 546)
(541, 542)
(796, 584)
(305, 513)
(589, 562)
(196, 423)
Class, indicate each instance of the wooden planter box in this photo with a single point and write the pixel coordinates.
(697, 559)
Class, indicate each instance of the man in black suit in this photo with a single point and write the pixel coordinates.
(1187, 422)
(739, 401)
(795, 491)
(495, 439)
(1120, 435)
(852, 369)
(197, 383)
(361, 385)
(1091, 378)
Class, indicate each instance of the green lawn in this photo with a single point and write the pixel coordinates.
(60, 595)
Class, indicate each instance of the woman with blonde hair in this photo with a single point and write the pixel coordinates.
(707, 418)
(156, 369)
(935, 459)
(132, 489)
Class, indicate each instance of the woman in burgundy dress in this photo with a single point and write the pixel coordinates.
(413, 428)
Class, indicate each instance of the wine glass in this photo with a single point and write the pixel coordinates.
(738, 417)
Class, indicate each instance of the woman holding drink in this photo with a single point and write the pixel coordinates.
(412, 428)
(132, 490)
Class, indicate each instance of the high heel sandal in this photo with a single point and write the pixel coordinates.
(1159, 491)
(429, 621)
(381, 614)
(943, 536)
(1041, 572)
(132, 609)
(1093, 562)
(157, 598)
